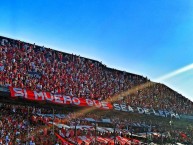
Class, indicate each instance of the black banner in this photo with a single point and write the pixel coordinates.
(34, 74)
(148, 111)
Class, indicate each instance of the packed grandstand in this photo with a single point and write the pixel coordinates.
(49, 97)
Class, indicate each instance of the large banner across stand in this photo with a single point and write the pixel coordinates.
(69, 100)
(148, 111)
(58, 98)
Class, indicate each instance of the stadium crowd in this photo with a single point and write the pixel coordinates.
(59, 72)
(16, 126)
(33, 126)
(29, 66)
(158, 96)
(32, 67)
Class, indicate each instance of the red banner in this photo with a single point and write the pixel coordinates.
(58, 98)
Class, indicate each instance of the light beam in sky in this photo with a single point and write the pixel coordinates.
(174, 73)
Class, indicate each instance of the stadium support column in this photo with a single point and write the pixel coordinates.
(147, 139)
(75, 131)
(131, 132)
(95, 132)
(130, 129)
(115, 125)
(53, 121)
(146, 134)
(28, 122)
(162, 136)
(171, 135)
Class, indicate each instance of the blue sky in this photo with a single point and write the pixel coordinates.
(147, 37)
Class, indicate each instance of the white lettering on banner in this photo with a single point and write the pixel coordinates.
(18, 92)
(166, 113)
(89, 102)
(147, 111)
(76, 101)
(117, 107)
(58, 98)
(67, 99)
(155, 113)
(123, 107)
(161, 112)
(97, 103)
(151, 111)
(130, 109)
(104, 105)
(177, 116)
(25, 93)
(140, 110)
(49, 99)
(172, 114)
(40, 94)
